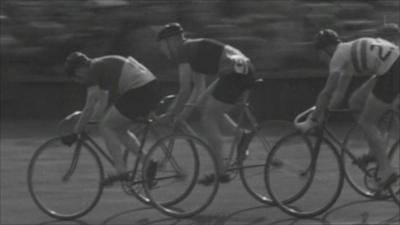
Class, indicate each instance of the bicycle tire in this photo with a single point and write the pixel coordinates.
(394, 156)
(251, 169)
(155, 133)
(58, 162)
(175, 202)
(358, 179)
(287, 204)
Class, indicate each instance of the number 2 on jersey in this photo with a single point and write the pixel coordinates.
(381, 54)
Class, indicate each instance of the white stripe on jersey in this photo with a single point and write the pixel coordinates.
(373, 56)
(134, 75)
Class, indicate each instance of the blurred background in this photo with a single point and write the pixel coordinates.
(37, 35)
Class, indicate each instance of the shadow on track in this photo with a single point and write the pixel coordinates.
(63, 222)
(363, 211)
(111, 220)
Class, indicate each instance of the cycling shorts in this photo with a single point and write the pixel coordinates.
(387, 86)
(138, 102)
(231, 86)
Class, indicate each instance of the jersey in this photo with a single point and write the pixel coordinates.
(202, 54)
(211, 57)
(367, 56)
(117, 74)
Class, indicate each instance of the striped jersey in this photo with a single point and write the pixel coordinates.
(366, 56)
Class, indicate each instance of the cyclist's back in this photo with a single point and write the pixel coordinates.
(118, 74)
(367, 56)
(211, 57)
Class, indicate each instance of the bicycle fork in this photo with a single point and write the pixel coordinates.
(74, 161)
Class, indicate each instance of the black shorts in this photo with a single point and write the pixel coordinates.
(231, 86)
(138, 102)
(387, 86)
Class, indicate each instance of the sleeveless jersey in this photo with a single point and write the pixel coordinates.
(373, 56)
(202, 54)
(211, 57)
(117, 74)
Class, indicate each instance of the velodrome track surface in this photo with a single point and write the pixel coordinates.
(233, 205)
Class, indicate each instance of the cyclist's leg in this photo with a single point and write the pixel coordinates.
(120, 117)
(130, 141)
(359, 96)
(373, 111)
(213, 114)
(113, 126)
(226, 123)
(227, 90)
(379, 101)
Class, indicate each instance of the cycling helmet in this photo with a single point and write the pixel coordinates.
(169, 30)
(74, 61)
(388, 30)
(325, 38)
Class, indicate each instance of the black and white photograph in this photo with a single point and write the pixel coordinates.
(200, 112)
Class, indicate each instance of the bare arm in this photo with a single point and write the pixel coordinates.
(91, 99)
(199, 87)
(325, 95)
(100, 106)
(340, 91)
(185, 89)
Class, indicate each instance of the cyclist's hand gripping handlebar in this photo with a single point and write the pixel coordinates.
(303, 121)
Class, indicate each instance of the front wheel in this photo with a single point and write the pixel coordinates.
(301, 180)
(63, 181)
(251, 169)
(177, 162)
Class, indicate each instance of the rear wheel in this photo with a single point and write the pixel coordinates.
(180, 161)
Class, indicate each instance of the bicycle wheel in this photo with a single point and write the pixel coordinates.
(362, 182)
(394, 155)
(63, 181)
(181, 160)
(251, 169)
(135, 187)
(300, 186)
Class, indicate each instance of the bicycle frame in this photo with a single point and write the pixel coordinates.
(324, 133)
(245, 113)
(86, 140)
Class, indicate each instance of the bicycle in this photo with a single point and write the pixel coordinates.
(312, 165)
(60, 173)
(247, 162)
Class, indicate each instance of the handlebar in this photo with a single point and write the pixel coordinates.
(302, 116)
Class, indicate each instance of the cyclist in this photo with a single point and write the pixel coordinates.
(131, 91)
(196, 59)
(362, 56)
(391, 33)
